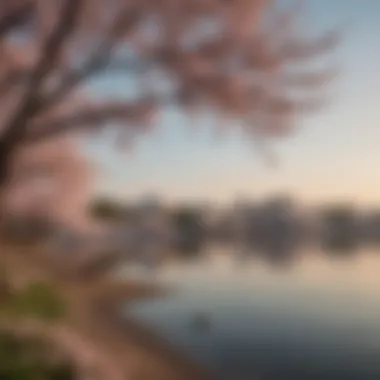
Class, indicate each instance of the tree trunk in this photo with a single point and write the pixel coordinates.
(6, 156)
(4, 177)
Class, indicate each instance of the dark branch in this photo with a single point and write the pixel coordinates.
(13, 78)
(96, 62)
(92, 118)
(49, 53)
(14, 17)
(113, 66)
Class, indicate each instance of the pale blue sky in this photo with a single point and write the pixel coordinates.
(335, 155)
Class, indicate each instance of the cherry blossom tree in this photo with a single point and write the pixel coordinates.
(50, 182)
(242, 60)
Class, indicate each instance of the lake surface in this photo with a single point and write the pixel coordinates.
(315, 316)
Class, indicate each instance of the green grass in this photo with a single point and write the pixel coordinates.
(38, 301)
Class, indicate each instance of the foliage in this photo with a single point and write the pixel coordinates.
(26, 230)
(109, 210)
(49, 186)
(190, 230)
(105, 209)
(186, 218)
(38, 301)
(29, 358)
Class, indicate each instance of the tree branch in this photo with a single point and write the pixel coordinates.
(97, 62)
(11, 79)
(14, 18)
(117, 67)
(92, 117)
(28, 105)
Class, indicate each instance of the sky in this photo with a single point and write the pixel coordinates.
(333, 156)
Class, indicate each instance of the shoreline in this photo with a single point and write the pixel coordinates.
(158, 357)
(95, 315)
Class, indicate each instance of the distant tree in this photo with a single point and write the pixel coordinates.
(340, 226)
(105, 210)
(189, 228)
(339, 215)
(187, 218)
(110, 210)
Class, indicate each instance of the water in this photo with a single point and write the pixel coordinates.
(315, 317)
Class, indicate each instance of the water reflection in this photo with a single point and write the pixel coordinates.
(279, 252)
(317, 318)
